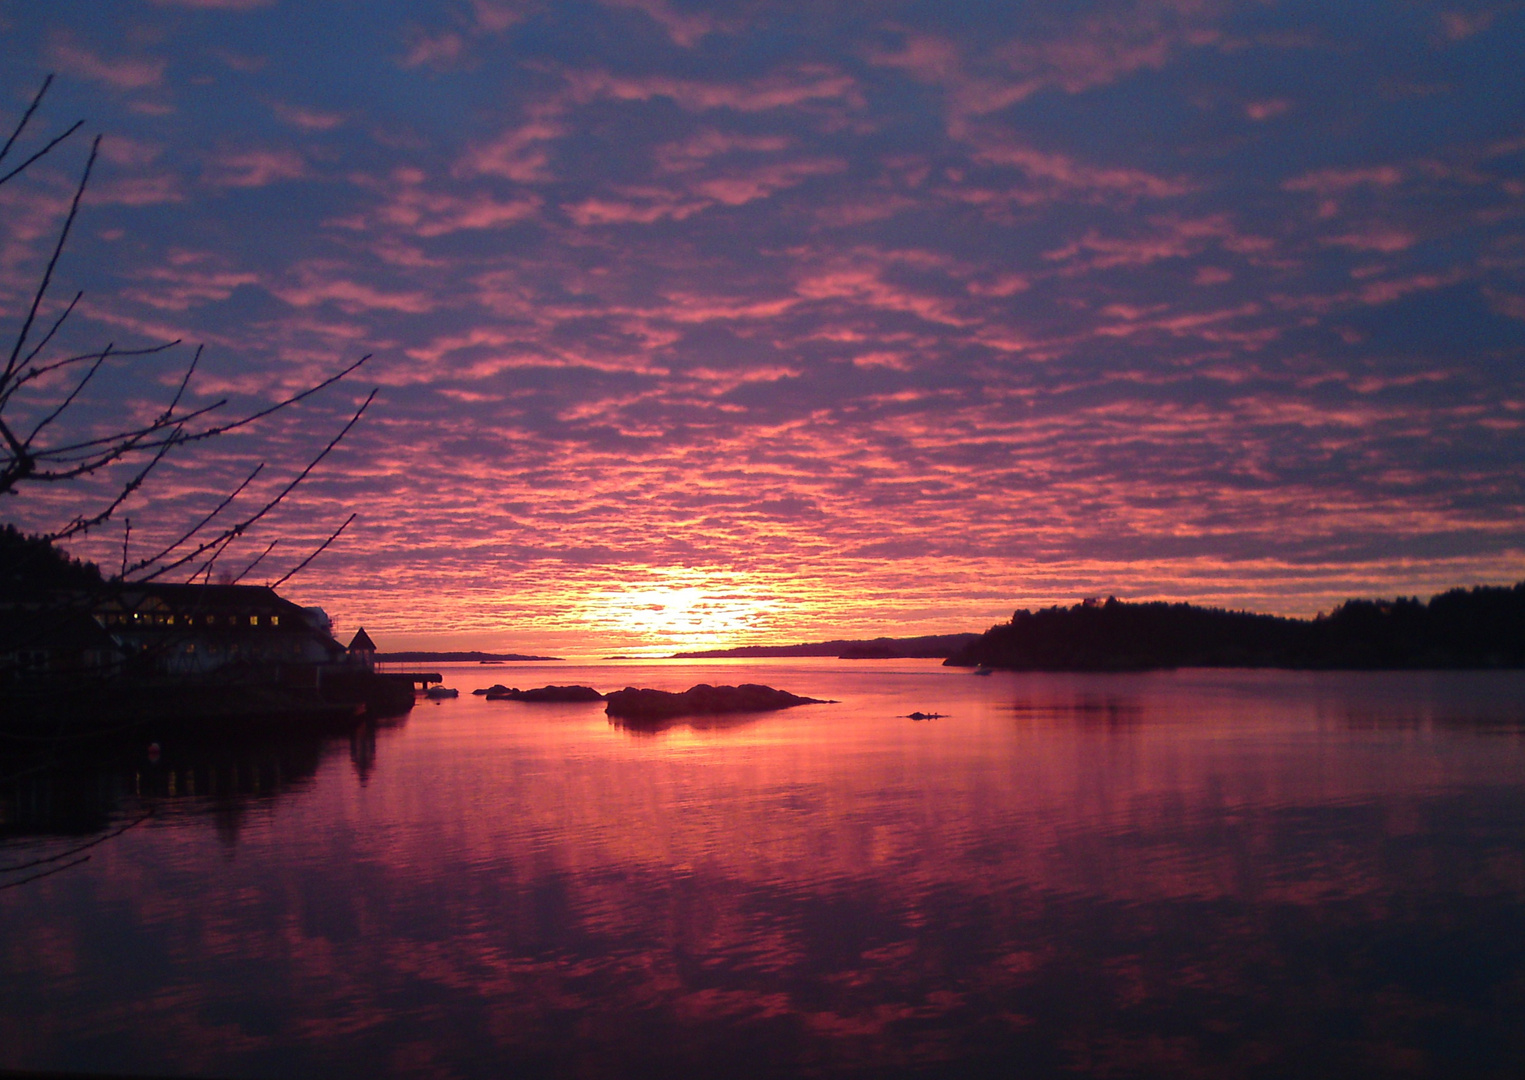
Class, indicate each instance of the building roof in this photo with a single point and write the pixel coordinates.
(362, 642)
(206, 599)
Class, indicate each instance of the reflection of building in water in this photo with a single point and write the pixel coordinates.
(362, 751)
(216, 777)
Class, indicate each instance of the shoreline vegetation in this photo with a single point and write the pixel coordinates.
(1478, 628)
(416, 657)
(926, 647)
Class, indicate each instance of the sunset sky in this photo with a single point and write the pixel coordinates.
(713, 324)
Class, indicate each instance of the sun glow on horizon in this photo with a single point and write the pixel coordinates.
(664, 611)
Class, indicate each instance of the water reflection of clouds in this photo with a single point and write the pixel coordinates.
(1111, 711)
(1257, 893)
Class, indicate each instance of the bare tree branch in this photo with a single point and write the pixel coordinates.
(243, 526)
(69, 400)
(83, 524)
(257, 560)
(29, 459)
(186, 537)
(37, 371)
(299, 567)
(47, 275)
(26, 118)
(43, 152)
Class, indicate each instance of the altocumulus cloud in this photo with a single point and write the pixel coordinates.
(859, 316)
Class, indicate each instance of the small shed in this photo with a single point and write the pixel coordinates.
(363, 649)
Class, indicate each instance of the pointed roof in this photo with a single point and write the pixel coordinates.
(362, 642)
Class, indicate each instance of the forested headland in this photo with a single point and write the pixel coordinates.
(1482, 627)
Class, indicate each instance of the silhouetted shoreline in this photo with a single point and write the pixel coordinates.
(1482, 627)
(457, 657)
(928, 647)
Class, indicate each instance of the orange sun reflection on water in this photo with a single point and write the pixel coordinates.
(666, 611)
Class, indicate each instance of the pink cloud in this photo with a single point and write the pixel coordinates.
(1095, 51)
(122, 150)
(1385, 292)
(1266, 109)
(307, 119)
(1508, 304)
(1003, 285)
(1170, 237)
(246, 65)
(435, 50)
(1335, 181)
(1068, 175)
(1100, 51)
(495, 16)
(1460, 25)
(760, 183)
(187, 279)
(861, 208)
(138, 190)
(686, 28)
(641, 207)
(217, 5)
(807, 83)
(700, 148)
(255, 168)
(519, 154)
(415, 209)
(351, 297)
(693, 308)
(123, 74)
(1384, 238)
(865, 285)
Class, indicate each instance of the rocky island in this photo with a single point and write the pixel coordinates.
(499, 692)
(652, 706)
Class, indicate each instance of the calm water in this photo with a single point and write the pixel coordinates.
(1179, 874)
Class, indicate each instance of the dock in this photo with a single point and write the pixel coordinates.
(423, 678)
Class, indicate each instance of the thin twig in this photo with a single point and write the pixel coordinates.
(47, 277)
(75, 851)
(41, 153)
(299, 567)
(81, 525)
(186, 536)
(69, 400)
(26, 117)
(257, 560)
(45, 873)
(243, 526)
(213, 431)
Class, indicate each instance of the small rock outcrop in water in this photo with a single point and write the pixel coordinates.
(542, 693)
(704, 699)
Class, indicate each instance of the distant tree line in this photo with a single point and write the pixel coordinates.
(1482, 627)
(929, 646)
(33, 566)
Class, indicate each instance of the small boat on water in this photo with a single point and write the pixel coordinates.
(984, 671)
(438, 692)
